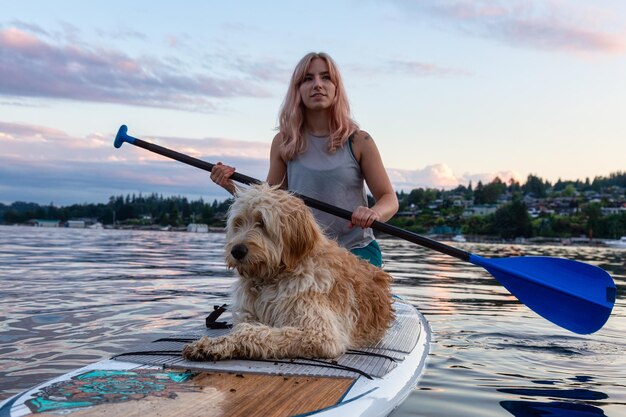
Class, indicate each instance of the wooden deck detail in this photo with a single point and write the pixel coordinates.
(229, 394)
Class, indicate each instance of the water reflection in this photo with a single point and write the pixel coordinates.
(556, 409)
(76, 296)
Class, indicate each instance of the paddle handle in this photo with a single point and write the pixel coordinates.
(123, 136)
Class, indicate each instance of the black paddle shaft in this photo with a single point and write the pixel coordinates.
(311, 202)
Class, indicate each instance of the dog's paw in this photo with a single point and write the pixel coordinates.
(206, 349)
(195, 352)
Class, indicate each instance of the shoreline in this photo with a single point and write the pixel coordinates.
(538, 240)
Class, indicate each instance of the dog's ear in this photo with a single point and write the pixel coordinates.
(300, 235)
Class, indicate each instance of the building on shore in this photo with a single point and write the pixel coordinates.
(198, 227)
(75, 224)
(44, 223)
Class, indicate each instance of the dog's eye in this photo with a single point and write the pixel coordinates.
(261, 224)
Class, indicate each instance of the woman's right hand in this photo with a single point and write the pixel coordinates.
(220, 174)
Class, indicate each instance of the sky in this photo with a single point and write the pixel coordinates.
(451, 91)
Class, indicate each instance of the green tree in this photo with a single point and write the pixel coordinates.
(479, 194)
(512, 220)
(493, 191)
(592, 213)
(536, 186)
(476, 225)
(421, 197)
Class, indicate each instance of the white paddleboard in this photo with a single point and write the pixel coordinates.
(155, 380)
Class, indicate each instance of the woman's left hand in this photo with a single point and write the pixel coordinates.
(364, 217)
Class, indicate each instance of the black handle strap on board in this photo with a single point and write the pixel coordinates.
(211, 320)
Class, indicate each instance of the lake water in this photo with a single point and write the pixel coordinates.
(71, 297)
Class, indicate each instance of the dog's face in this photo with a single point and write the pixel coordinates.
(268, 231)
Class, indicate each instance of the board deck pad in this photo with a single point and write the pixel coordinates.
(148, 391)
(109, 386)
(373, 361)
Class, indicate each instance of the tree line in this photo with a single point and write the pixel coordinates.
(124, 210)
(423, 210)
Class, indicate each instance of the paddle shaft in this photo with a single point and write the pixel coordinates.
(122, 136)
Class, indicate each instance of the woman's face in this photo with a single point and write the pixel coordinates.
(317, 90)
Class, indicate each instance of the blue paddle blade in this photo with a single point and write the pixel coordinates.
(574, 295)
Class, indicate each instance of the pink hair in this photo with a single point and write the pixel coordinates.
(291, 119)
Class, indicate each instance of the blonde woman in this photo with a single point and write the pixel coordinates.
(320, 152)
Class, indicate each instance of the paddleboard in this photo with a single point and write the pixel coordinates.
(154, 379)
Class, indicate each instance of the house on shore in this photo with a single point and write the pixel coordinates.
(44, 223)
(75, 224)
(480, 210)
(198, 227)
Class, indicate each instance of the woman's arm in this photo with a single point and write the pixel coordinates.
(367, 155)
(277, 173)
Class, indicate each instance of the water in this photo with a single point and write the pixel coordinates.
(71, 297)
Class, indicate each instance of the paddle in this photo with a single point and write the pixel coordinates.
(574, 295)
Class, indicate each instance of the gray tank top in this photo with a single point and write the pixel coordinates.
(336, 179)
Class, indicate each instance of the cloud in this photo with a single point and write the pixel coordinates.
(31, 66)
(42, 164)
(426, 69)
(265, 70)
(39, 142)
(121, 34)
(433, 176)
(29, 27)
(546, 25)
(441, 176)
(407, 67)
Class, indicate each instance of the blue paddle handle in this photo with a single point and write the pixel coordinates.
(122, 136)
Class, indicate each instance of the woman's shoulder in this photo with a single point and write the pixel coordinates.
(278, 138)
(360, 136)
(361, 142)
(277, 149)
(278, 142)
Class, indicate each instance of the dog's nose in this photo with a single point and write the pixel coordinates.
(239, 251)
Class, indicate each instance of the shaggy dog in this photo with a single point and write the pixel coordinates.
(298, 294)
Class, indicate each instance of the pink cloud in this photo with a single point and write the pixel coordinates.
(17, 39)
(543, 25)
(37, 142)
(441, 176)
(26, 133)
(434, 176)
(33, 67)
(42, 164)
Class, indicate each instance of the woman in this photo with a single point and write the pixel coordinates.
(320, 152)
